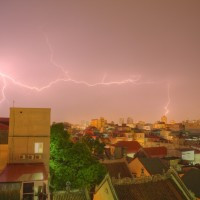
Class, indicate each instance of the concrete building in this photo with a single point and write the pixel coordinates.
(99, 123)
(29, 135)
(139, 137)
(28, 153)
(129, 120)
(164, 119)
(121, 121)
(166, 135)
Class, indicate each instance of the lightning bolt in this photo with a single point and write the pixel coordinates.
(3, 90)
(134, 80)
(52, 61)
(169, 100)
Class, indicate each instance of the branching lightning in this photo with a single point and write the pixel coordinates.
(3, 90)
(7, 78)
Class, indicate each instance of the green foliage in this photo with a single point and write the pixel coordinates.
(95, 146)
(71, 162)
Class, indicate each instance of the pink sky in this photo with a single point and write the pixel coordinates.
(158, 41)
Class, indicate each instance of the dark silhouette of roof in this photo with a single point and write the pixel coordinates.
(153, 165)
(192, 181)
(118, 169)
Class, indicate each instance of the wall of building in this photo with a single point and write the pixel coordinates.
(104, 192)
(197, 158)
(139, 137)
(29, 126)
(136, 168)
(29, 121)
(3, 156)
(26, 146)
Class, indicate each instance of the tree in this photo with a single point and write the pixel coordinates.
(72, 163)
(95, 146)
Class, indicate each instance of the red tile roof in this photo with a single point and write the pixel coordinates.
(4, 127)
(24, 172)
(155, 151)
(4, 120)
(131, 146)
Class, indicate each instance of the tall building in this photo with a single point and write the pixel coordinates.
(164, 119)
(98, 123)
(129, 120)
(28, 152)
(121, 121)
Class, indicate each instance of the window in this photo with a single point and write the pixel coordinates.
(39, 147)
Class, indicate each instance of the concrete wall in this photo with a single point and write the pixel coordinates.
(26, 145)
(29, 121)
(136, 167)
(3, 156)
(27, 127)
(104, 193)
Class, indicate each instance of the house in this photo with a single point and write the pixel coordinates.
(147, 166)
(139, 137)
(125, 148)
(192, 180)
(117, 168)
(167, 186)
(152, 152)
(28, 152)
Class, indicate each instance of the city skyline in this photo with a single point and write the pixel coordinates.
(104, 58)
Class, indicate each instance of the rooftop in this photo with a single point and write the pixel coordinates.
(192, 181)
(162, 189)
(131, 146)
(117, 168)
(155, 151)
(153, 165)
(24, 172)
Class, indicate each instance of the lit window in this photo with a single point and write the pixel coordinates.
(39, 147)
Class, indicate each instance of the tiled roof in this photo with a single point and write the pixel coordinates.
(158, 190)
(71, 195)
(131, 146)
(192, 181)
(4, 120)
(155, 151)
(4, 127)
(118, 169)
(23, 172)
(153, 165)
